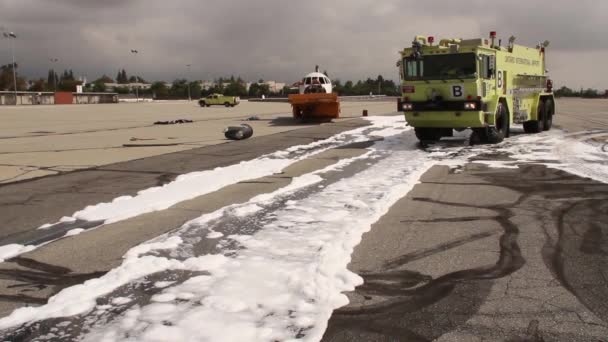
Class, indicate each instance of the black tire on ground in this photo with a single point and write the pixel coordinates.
(201, 103)
(497, 134)
(536, 126)
(207, 105)
(548, 115)
(226, 104)
(427, 133)
(243, 131)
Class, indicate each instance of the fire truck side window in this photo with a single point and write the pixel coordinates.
(486, 66)
(483, 66)
(411, 69)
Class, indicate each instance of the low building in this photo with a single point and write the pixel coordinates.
(206, 85)
(49, 98)
(273, 86)
(138, 85)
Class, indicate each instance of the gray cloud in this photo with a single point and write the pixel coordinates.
(285, 39)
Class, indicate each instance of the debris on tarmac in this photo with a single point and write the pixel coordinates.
(240, 132)
(179, 121)
(140, 139)
(253, 118)
(150, 145)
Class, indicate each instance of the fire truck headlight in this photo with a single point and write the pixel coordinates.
(470, 105)
(407, 106)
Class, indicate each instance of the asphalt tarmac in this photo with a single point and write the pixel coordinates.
(37, 141)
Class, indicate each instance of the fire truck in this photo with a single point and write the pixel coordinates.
(474, 83)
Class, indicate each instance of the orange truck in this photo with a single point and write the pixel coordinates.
(315, 100)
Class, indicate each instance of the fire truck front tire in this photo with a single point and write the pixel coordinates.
(497, 134)
(428, 134)
(536, 126)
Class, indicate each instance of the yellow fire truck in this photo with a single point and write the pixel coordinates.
(477, 84)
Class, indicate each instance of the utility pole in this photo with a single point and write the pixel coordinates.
(135, 52)
(13, 36)
(188, 81)
(54, 60)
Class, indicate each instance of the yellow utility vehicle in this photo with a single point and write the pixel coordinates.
(220, 100)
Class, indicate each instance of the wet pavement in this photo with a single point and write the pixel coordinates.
(481, 254)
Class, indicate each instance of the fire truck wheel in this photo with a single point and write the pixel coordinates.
(496, 134)
(427, 134)
(536, 126)
(548, 115)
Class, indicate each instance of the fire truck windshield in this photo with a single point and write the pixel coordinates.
(441, 67)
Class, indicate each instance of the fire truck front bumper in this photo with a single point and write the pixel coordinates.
(445, 119)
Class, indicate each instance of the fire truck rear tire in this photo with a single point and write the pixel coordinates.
(427, 133)
(548, 115)
(536, 126)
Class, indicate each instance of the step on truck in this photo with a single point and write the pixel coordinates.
(474, 83)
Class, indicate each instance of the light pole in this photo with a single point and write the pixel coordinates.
(12, 35)
(135, 52)
(188, 82)
(54, 60)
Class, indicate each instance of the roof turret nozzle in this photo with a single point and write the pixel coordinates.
(511, 43)
(492, 37)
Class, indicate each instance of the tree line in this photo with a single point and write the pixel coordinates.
(231, 86)
(378, 86)
(588, 93)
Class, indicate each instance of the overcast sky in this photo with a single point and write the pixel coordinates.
(283, 40)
